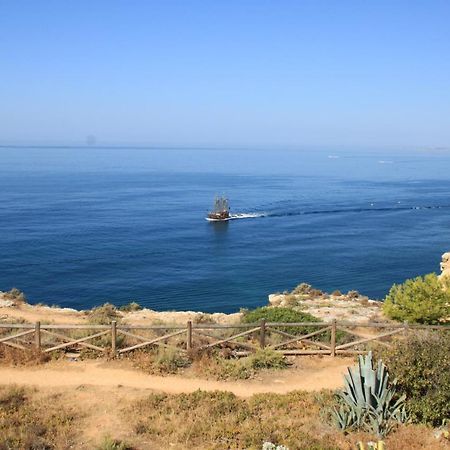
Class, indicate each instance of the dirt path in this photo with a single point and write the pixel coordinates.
(322, 374)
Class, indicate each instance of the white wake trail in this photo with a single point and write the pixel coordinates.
(246, 216)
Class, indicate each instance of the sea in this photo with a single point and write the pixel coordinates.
(83, 226)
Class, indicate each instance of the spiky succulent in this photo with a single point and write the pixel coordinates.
(369, 400)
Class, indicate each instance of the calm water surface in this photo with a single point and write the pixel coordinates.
(82, 227)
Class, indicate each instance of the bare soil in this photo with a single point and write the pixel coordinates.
(312, 374)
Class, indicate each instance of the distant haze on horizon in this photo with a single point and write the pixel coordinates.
(237, 73)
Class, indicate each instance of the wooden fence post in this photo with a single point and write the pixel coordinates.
(262, 334)
(189, 336)
(114, 338)
(333, 338)
(37, 336)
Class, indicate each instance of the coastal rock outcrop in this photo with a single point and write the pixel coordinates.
(351, 306)
(445, 265)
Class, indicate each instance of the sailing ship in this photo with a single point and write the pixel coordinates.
(221, 210)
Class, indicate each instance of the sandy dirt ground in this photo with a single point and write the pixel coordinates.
(312, 375)
(101, 389)
(47, 314)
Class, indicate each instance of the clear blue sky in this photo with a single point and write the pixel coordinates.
(337, 72)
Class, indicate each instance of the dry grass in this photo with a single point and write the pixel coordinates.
(10, 356)
(210, 365)
(159, 361)
(220, 420)
(17, 296)
(103, 315)
(219, 367)
(32, 419)
(108, 443)
(27, 423)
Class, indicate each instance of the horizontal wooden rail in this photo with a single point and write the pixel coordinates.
(324, 338)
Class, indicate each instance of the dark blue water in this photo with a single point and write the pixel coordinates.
(82, 227)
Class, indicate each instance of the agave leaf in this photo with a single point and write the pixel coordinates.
(369, 400)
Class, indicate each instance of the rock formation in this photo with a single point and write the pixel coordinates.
(445, 265)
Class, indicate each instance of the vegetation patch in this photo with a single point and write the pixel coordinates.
(219, 368)
(419, 300)
(34, 424)
(103, 315)
(161, 361)
(108, 443)
(289, 315)
(16, 357)
(280, 314)
(421, 365)
(220, 420)
(130, 307)
(369, 400)
(15, 295)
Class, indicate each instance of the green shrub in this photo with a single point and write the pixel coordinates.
(420, 300)
(267, 359)
(288, 315)
(421, 365)
(279, 314)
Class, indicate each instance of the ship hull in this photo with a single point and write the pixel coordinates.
(210, 219)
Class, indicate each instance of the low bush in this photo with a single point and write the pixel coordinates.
(421, 365)
(267, 359)
(108, 443)
(420, 300)
(160, 361)
(288, 315)
(16, 295)
(352, 294)
(279, 314)
(203, 318)
(220, 368)
(130, 307)
(103, 315)
(307, 290)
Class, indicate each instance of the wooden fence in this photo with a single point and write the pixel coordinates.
(309, 338)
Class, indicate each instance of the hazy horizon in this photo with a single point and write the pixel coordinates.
(234, 74)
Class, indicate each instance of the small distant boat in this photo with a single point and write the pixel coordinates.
(221, 211)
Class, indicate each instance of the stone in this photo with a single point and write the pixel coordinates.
(445, 265)
(276, 299)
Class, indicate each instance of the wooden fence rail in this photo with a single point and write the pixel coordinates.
(308, 338)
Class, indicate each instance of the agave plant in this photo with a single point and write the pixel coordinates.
(369, 400)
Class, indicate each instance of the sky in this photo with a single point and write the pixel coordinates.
(225, 73)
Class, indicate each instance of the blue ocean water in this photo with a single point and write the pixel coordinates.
(79, 227)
